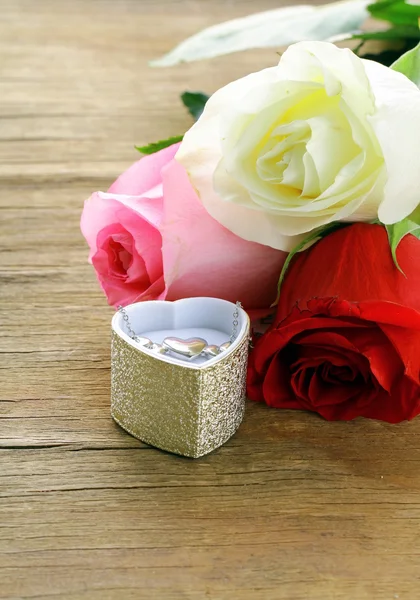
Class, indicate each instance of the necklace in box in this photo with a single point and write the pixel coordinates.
(178, 372)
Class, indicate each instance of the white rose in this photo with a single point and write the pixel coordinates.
(324, 136)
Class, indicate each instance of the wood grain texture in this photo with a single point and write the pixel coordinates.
(292, 507)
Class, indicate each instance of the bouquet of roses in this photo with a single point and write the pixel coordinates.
(297, 192)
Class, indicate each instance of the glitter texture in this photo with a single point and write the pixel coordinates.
(184, 410)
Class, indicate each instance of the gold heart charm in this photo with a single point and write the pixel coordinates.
(212, 350)
(225, 346)
(143, 341)
(190, 348)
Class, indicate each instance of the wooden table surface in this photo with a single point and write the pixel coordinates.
(292, 507)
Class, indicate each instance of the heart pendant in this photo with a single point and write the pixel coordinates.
(159, 348)
(190, 348)
(225, 346)
(143, 341)
(212, 350)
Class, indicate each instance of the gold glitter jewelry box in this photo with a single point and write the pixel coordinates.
(188, 407)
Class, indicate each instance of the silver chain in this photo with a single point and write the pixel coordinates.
(135, 337)
(235, 322)
(126, 318)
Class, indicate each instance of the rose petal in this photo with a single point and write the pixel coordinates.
(402, 404)
(398, 133)
(407, 346)
(361, 252)
(202, 258)
(276, 386)
(145, 174)
(322, 394)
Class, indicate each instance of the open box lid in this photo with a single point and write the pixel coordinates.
(208, 318)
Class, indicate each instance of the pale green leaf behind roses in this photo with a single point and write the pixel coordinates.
(273, 28)
(324, 136)
(409, 65)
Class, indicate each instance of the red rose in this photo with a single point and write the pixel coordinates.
(346, 338)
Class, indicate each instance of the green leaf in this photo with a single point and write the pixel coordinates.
(386, 57)
(195, 102)
(398, 12)
(398, 231)
(274, 28)
(395, 33)
(156, 146)
(409, 65)
(310, 240)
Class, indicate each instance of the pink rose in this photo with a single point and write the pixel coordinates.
(122, 230)
(151, 238)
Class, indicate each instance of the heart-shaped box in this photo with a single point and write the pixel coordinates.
(188, 408)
